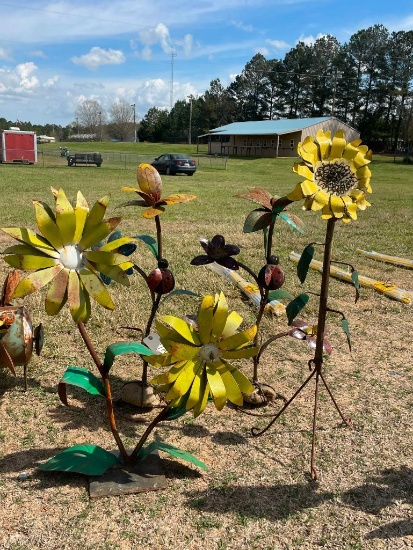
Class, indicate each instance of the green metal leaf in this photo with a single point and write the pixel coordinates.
(150, 242)
(82, 459)
(175, 412)
(344, 324)
(173, 451)
(304, 262)
(83, 378)
(181, 292)
(120, 348)
(256, 220)
(356, 284)
(294, 307)
(279, 294)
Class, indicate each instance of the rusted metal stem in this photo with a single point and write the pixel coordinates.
(108, 391)
(313, 471)
(155, 305)
(269, 241)
(161, 416)
(159, 236)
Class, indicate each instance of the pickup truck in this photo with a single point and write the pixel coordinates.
(84, 158)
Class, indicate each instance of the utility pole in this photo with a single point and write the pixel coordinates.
(190, 120)
(100, 125)
(134, 121)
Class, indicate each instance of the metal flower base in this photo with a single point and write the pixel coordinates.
(144, 476)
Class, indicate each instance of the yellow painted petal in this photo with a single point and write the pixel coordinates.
(351, 210)
(164, 360)
(134, 189)
(65, 218)
(217, 386)
(327, 213)
(197, 389)
(244, 384)
(309, 188)
(29, 237)
(219, 317)
(350, 151)
(238, 339)
(166, 333)
(35, 281)
(78, 299)
(96, 214)
(47, 224)
(81, 214)
(180, 351)
(338, 145)
(182, 328)
(115, 244)
(296, 194)
(30, 250)
(57, 294)
(308, 150)
(151, 212)
(232, 389)
(184, 380)
(324, 142)
(320, 199)
(304, 171)
(337, 206)
(99, 232)
(204, 392)
(149, 180)
(205, 318)
(107, 258)
(115, 272)
(94, 286)
(232, 324)
(178, 198)
(30, 262)
(167, 377)
(240, 353)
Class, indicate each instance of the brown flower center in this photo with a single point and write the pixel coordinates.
(335, 178)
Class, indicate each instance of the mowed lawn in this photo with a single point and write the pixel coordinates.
(256, 493)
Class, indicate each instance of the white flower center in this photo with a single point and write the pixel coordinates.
(209, 353)
(71, 257)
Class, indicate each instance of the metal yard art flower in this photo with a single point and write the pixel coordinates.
(63, 255)
(337, 176)
(199, 357)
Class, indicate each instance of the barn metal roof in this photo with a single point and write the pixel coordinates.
(262, 127)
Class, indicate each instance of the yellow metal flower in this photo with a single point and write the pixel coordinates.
(150, 189)
(198, 357)
(66, 255)
(336, 174)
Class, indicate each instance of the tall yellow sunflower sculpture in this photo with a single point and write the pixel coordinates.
(199, 356)
(66, 255)
(337, 176)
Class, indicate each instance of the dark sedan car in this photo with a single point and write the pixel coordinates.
(174, 163)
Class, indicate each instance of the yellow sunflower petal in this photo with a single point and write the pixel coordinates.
(204, 392)
(337, 206)
(115, 272)
(99, 232)
(324, 142)
(30, 261)
(96, 214)
(182, 328)
(46, 223)
(184, 380)
(320, 199)
(81, 214)
(65, 218)
(217, 386)
(78, 299)
(197, 389)
(351, 210)
(115, 244)
(308, 150)
(308, 188)
(94, 286)
(350, 151)
(57, 294)
(107, 258)
(166, 333)
(338, 145)
(326, 212)
(23, 249)
(152, 211)
(240, 353)
(35, 281)
(232, 324)
(149, 180)
(30, 237)
(220, 317)
(178, 198)
(296, 194)
(242, 381)
(238, 339)
(304, 171)
(134, 189)
(180, 351)
(164, 360)
(233, 391)
(205, 318)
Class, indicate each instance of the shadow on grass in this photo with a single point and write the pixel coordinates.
(391, 486)
(272, 503)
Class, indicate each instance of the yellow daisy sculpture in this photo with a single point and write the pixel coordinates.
(150, 191)
(65, 254)
(198, 357)
(336, 174)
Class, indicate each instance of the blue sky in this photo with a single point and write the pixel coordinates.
(54, 54)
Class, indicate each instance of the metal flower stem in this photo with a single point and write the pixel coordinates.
(108, 391)
(155, 305)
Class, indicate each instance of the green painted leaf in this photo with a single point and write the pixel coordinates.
(83, 378)
(356, 284)
(181, 292)
(121, 348)
(279, 294)
(82, 459)
(304, 262)
(294, 307)
(344, 324)
(173, 451)
(150, 242)
(256, 220)
(175, 412)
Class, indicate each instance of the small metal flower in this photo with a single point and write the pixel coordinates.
(219, 252)
(271, 276)
(301, 330)
(161, 279)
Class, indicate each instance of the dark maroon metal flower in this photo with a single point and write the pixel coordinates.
(271, 276)
(161, 280)
(219, 252)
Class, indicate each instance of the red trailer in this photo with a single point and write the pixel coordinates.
(18, 146)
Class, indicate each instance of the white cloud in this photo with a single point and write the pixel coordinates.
(309, 40)
(242, 26)
(160, 36)
(97, 57)
(27, 80)
(5, 55)
(39, 53)
(278, 45)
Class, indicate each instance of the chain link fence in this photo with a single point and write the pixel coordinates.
(123, 161)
